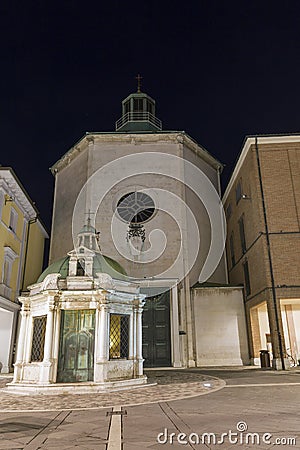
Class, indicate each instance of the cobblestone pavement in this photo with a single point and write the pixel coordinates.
(171, 385)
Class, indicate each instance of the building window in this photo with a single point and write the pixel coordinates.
(136, 207)
(242, 234)
(38, 338)
(6, 272)
(238, 191)
(228, 211)
(231, 245)
(118, 336)
(247, 278)
(138, 104)
(127, 107)
(13, 220)
(150, 107)
(1, 204)
(80, 269)
(9, 258)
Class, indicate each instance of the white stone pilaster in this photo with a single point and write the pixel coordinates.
(21, 348)
(45, 373)
(189, 323)
(103, 344)
(139, 342)
(131, 337)
(56, 343)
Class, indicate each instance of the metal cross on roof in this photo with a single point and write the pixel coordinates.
(139, 80)
(89, 216)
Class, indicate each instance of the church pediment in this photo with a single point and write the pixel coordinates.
(80, 252)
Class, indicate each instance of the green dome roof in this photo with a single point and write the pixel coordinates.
(101, 263)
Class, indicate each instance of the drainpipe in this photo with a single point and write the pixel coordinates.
(31, 221)
(270, 258)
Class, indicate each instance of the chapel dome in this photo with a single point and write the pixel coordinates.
(101, 264)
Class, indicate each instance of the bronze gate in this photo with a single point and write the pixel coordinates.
(76, 352)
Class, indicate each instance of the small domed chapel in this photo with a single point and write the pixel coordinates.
(81, 322)
(95, 320)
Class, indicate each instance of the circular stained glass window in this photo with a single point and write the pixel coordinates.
(135, 207)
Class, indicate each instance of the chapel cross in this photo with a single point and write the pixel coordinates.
(89, 216)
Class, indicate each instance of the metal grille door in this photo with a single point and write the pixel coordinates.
(77, 338)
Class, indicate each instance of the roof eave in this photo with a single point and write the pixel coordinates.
(250, 140)
(205, 154)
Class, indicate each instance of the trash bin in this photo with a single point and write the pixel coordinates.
(264, 359)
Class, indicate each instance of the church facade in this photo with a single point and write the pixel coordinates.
(154, 196)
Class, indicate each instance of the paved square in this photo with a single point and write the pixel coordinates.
(263, 401)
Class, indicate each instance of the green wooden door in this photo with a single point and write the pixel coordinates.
(156, 331)
(76, 354)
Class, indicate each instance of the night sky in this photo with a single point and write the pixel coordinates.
(217, 70)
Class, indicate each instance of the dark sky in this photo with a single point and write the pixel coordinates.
(219, 70)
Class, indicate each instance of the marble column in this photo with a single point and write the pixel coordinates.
(45, 374)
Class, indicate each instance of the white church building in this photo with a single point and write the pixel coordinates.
(154, 197)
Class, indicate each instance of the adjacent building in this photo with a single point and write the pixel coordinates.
(262, 204)
(22, 237)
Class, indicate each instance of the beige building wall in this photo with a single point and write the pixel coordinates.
(35, 254)
(20, 259)
(220, 327)
(279, 158)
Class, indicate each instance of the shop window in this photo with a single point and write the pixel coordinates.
(38, 338)
(118, 336)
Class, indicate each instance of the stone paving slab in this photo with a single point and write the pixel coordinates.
(56, 430)
(273, 410)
